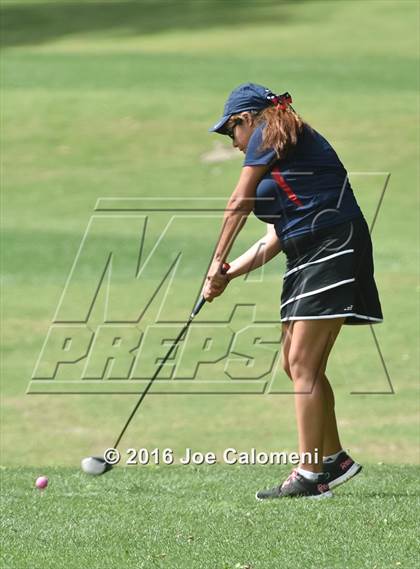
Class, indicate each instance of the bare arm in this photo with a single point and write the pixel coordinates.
(260, 253)
(239, 206)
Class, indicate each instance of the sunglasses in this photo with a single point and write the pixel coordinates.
(230, 130)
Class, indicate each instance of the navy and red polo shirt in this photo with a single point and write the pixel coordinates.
(307, 190)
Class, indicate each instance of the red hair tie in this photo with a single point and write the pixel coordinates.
(285, 101)
(280, 101)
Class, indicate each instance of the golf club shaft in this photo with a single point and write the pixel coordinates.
(149, 385)
(194, 313)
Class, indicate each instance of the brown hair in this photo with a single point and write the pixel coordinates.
(282, 129)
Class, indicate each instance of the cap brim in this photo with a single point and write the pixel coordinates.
(220, 126)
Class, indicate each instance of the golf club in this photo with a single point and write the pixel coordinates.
(96, 465)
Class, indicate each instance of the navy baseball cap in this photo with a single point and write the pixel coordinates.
(246, 97)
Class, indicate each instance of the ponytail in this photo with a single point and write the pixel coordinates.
(282, 128)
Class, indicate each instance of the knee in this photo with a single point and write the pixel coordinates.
(300, 368)
(294, 367)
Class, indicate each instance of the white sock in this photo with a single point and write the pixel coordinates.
(332, 457)
(308, 474)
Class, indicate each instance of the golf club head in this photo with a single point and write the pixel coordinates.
(95, 465)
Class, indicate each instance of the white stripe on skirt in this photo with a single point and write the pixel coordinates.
(299, 267)
(311, 292)
(332, 316)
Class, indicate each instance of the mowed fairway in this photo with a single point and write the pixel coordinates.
(186, 517)
(114, 100)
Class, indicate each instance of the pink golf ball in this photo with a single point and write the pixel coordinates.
(41, 482)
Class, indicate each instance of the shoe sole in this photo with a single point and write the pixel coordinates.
(352, 471)
(327, 494)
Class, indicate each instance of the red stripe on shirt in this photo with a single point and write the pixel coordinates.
(285, 186)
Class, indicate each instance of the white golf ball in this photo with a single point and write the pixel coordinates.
(93, 465)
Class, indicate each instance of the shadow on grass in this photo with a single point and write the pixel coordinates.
(29, 24)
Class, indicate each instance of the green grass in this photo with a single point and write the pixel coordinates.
(178, 517)
(114, 99)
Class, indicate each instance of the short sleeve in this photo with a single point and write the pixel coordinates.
(254, 155)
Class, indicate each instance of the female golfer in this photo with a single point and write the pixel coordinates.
(294, 181)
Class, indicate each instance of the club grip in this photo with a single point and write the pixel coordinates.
(201, 301)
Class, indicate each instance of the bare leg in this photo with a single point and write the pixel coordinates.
(310, 346)
(331, 440)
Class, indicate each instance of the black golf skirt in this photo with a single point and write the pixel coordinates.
(329, 274)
